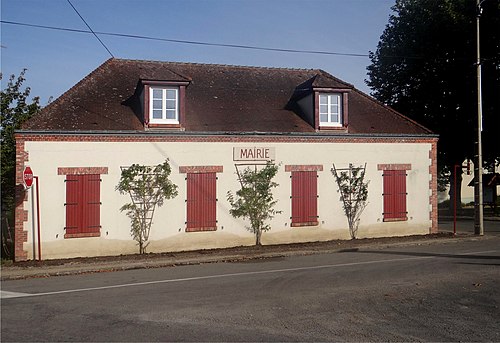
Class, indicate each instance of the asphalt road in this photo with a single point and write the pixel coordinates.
(434, 292)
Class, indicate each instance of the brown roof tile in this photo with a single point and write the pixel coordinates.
(218, 98)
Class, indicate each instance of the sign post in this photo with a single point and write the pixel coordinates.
(28, 178)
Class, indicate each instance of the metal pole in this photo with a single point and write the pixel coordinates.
(33, 220)
(38, 219)
(455, 199)
(478, 172)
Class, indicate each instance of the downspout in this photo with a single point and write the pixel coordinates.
(38, 219)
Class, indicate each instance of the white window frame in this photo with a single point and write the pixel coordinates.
(164, 119)
(329, 112)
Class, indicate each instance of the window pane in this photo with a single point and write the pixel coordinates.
(170, 104)
(334, 99)
(157, 104)
(323, 100)
(157, 93)
(323, 117)
(323, 108)
(335, 118)
(339, 110)
(170, 114)
(334, 109)
(171, 94)
(157, 114)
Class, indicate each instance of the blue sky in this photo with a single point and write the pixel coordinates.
(57, 60)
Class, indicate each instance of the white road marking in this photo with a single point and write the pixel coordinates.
(6, 294)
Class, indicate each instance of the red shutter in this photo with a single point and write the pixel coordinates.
(395, 195)
(92, 201)
(304, 198)
(400, 193)
(201, 202)
(73, 204)
(83, 204)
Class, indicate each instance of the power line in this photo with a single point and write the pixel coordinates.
(100, 41)
(238, 46)
(124, 35)
(44, 26)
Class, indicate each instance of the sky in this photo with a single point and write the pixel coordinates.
(56, 60)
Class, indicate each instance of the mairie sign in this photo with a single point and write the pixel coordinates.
(254, 154)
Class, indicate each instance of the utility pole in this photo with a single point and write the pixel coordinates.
(478, 166)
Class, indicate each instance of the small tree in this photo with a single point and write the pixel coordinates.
(148, 187)
(353, 193)
(255, 199)
(15, 109)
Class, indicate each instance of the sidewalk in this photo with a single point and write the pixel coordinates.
(37, 269)
(462, 217)
(467, 214)
(465, 224)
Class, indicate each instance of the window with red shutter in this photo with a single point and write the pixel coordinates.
(304, 198)
(395, 195)
(201, 202)
(83, 205)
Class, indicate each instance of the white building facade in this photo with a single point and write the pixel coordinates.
(78, 170)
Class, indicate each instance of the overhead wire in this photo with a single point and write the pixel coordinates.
(180, 41)
(96, 36)
(239, 46)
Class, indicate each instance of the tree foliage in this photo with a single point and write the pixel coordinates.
(353, 191)
(16, 108)
(254, 200)
(148, 187)
(425, 67)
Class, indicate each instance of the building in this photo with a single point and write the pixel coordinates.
(467, 184)
(207, 119)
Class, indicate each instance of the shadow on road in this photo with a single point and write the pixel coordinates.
(481, 264)
(425, 254)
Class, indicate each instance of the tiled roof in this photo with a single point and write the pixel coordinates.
(219, 98)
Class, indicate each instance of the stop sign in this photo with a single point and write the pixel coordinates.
(28, 177)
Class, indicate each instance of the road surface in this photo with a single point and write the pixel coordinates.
(441, 291)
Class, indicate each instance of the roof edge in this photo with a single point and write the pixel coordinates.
(126, 60)
(222, 133)
(393, 110)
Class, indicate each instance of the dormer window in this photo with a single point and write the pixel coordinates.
(164, 105)
(323, 102)
(330, 109)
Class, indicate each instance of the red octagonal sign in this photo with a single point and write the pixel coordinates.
(28, 177)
